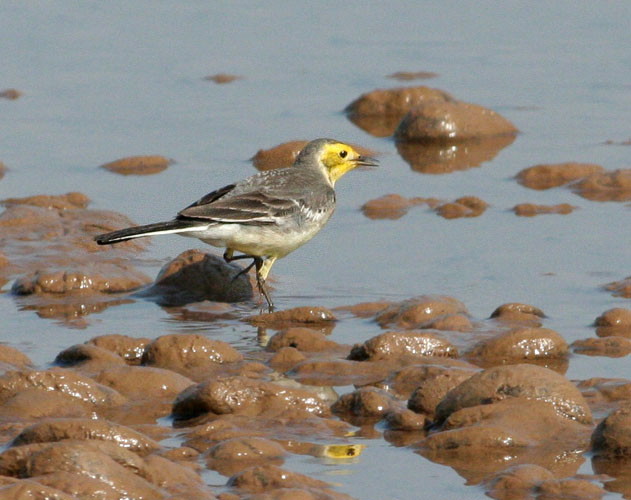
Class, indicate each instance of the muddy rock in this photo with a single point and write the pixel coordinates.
(268, 477)
(393, 206)
(244, 396)
(303, 339)
(187, 353)
(130, 349)
(69, 201)
(335, 372)
(33, 404)
(231, 456)
(614, 322)
(517, 313)
(365, 309)
(88, 357)
(286, 358)
(380, 111)
(438, 158)
(393, 345)
(65, 465)
(412, 75)
(59, 380)
(292, 428)
(611, 437)
(403, 419)
(298, 316)
(108, 278)
(548, 176)
(194, 276)
(620, 288)
(138, 165)
(10, 94)
(10, 357)
(178, 480)
(518, 481)
(25, 488)
(366, 402)
(520, 343)
(521, 381)
(530, 431)
(431, 391)
(451, 323)
(451, 121)
(467, 206)
(531, 209)
(605, 186)
(419, 311)
(138, 383)
(403, 381)
(613, 347)
(83, 428)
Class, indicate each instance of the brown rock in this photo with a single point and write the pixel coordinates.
(89, 357)
(520, 343)
(185, 353)
(380, 111)
(614, 322)
(286, 358)
(412, 75)
(179, 480)
(10, 94)
(86, 428)
(298, 316)
(303, 339)
(432, 390)
(194, 276)
(268, 477)
(522, 381)
(612, 436)
(467, 206)
(366, 402)
(130, 349)
(244, 396)
(33, 404)
(482, 439)
(620, 288)
(613, 347)
(69, 201)
(515, 312)
(58, 380)
(393, 345)
(393, 206)
(112, 279)
(365, 309)
(27, 489)
(570, 488)
(417, 312)
(518, 481)
(138, 383)
(336, 372)
(11, 357)
(231, 456)
(451, 121)
(605, 186)
(222, 78)
(548, 176)
(406, 420)
(530, 209)
(138, 165)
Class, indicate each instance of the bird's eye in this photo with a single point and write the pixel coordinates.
(343, 153)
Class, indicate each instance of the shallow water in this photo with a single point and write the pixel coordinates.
(102, 82)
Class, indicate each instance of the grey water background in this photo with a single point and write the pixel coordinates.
(106, 80)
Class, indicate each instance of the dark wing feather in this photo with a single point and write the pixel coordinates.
(254, 208)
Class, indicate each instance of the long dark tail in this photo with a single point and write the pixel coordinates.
(170, 227)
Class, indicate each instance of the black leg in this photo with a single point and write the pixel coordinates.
(260, 281)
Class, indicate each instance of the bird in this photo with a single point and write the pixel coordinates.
(267, 215)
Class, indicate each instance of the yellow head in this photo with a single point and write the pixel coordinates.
(333, 157)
